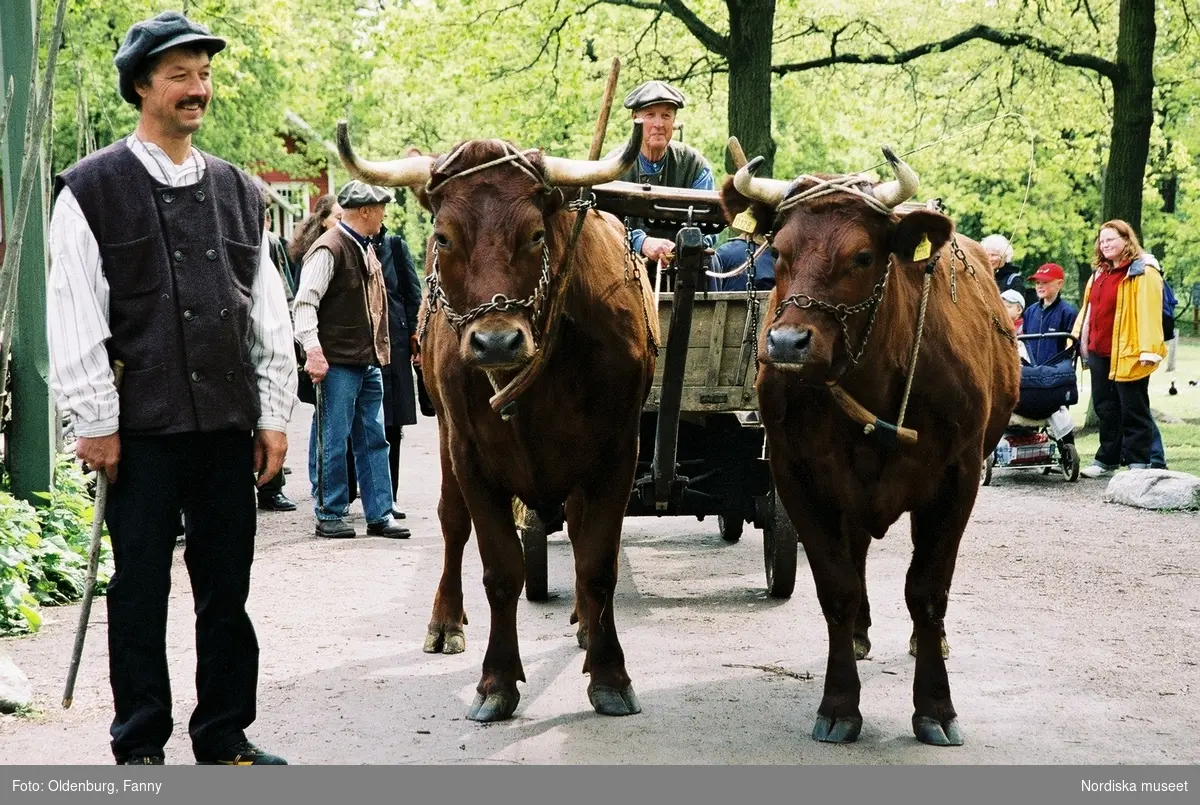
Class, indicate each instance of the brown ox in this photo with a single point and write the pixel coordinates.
(842, 483)
(501, 231)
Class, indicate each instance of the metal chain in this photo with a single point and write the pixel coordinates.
(842, 312)
(752, 305)
(498, 304)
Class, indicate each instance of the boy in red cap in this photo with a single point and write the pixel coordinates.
(1050, 314)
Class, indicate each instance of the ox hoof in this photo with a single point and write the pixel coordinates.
(912, 647)
(844, 730)
(448, 641)
(936, 733)
(612, 702)
(862, 647)
(494, 707)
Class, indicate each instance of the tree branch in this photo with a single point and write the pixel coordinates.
(678, 9)
(984, 32)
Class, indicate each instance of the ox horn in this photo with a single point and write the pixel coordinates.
(900, 189)
(768, 191)
(585, 173)
(406, 172)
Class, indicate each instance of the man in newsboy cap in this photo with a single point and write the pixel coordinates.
(157, 264)
(662, 161)
(342, 323)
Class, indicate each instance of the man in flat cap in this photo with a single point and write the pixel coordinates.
(342, 324)
(662, 161)
(158, 266)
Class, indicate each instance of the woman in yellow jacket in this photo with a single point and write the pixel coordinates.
(1121, 339)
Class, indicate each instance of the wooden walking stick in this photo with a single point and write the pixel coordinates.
(89, 585)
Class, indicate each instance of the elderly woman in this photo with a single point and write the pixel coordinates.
(1008, 277)
(1121, 338)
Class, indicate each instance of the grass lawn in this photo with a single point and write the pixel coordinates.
(1178, 415)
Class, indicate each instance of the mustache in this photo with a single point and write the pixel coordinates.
(196, 99)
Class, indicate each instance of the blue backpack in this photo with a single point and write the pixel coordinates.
(1169, 304)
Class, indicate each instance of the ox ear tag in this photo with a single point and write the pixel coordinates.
(745, 222)
(923, 249)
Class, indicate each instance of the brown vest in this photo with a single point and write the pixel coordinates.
(352, 323)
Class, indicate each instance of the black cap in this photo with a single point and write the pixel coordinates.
(356, 194)
(653, 92)
(150, 37)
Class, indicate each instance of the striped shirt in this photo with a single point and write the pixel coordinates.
(77, 314)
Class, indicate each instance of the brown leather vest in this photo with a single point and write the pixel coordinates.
(352, 323)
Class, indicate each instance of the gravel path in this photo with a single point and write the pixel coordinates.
(1073, 627)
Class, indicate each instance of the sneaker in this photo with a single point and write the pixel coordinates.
(1095, 471)
(141, 760)
(242, 753)
(334, 529)
(388, 528)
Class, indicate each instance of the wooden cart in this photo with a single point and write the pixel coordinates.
(703, 449)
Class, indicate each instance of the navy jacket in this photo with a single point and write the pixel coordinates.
(1058, 317)
(731, 254)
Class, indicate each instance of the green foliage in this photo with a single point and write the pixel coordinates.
(431, 74)
(44, 550)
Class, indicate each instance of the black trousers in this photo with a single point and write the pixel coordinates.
(394, 434)
(209, 476)
(1126, 424)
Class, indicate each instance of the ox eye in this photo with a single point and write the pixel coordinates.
(864, 258)
(538, 238)
(441, 240)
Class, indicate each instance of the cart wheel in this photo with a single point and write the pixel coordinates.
(779, 549)
(1070, 462)
(985, 474)
(533, 541)
(731, 524)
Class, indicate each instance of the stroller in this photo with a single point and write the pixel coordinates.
(1033, 439)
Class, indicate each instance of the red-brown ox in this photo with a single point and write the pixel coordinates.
(843, 320)
(500, 232)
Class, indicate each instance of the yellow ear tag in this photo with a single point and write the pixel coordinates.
(745, 222)
(923, 249)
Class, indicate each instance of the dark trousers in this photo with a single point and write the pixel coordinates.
(272, 487)
(209, 476)
(1127, 428)
(394, 434)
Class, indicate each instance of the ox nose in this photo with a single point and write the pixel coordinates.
(497, 347)
(788, 344)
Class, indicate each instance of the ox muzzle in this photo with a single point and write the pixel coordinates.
(497, 342)
(789, 344)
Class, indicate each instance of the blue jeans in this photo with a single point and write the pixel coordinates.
(351, 399)
(1158, 456)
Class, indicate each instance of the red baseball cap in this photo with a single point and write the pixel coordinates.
(1048, 272)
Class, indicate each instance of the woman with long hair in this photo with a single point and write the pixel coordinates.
(324, 217)
(1121, 337)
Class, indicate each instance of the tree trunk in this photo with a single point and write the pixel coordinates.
(1133, 113)
(750, 25)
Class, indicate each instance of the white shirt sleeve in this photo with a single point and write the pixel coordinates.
(77, 323)
(271, 345)
(314, 281)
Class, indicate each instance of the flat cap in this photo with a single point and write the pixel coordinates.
(150, 37)
(653, 92)
(360, 194)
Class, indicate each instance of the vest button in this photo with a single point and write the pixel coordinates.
(225, 313)
(211, 254)
(229, 376)
(168, 197)
(189, 315)
(196, 377)
(199, 195)
(178, 256)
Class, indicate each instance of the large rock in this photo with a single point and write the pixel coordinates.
(15, 692)
(1154, 489)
